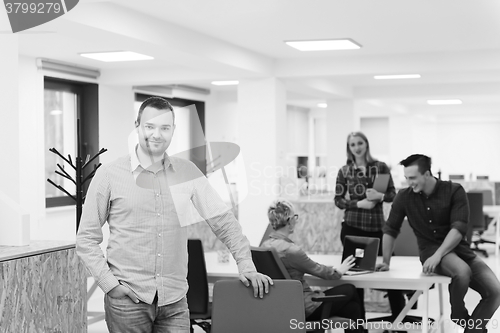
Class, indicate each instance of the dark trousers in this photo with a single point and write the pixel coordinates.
(474, 274)
(349, 307)
(396, 298)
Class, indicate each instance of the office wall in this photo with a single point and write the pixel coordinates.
(9, 134)
(320, 129)
(457, 144)
(221, 116)
(376, 130)
(469, 148)
(298, 131)
(32, 182)
(116, 120)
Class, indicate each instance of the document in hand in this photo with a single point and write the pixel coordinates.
(381, 182)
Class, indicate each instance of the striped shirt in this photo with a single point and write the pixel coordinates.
(432, 217)
(146, 212)
(351, 186)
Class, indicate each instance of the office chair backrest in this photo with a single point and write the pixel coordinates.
(197, 296)
(235, 309)
(487, 197)
(268, 231)
(406, 242)
(268, 262)
(477, 221)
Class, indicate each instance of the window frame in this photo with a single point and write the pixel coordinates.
(88, 113)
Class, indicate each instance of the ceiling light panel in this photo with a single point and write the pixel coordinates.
(444, 102)
(397, 77)
(116, 56)
(225, 83)
(324, 45)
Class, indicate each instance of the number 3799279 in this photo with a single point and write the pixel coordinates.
(40, 7)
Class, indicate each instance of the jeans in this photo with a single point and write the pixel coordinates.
(125, 316)
(477, 275)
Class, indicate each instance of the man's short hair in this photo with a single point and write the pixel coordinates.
(423, 162)
(156, 102)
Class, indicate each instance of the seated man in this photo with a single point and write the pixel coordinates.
(282, 218)
(438, 213)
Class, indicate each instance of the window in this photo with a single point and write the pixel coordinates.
(64, 102)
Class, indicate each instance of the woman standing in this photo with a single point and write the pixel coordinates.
(364, 214)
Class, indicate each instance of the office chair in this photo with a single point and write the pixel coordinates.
(267, 261)
(235, 309)
(478, 221)
(197, 297)
(265, 237)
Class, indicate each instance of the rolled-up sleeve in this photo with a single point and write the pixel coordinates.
(94, 215)
(397, 215)
(459, 212)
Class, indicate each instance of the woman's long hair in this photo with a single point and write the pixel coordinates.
(350, 157)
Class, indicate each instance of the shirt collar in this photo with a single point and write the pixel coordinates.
(277, 235)
(438, 182)
(135, 163)
(434, 190)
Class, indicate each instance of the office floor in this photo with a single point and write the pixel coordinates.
(472, 298)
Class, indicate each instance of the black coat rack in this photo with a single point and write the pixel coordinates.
(79, 167)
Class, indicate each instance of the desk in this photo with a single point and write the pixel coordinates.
(494, 212)
(406, 274)
(42, 288)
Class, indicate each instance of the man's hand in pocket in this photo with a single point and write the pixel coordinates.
(121, 291)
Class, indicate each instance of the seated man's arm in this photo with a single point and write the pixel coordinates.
(391, 230)
(450, 242)
(459, 219)
(388, 243)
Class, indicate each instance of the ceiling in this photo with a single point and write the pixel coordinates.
(453, 44)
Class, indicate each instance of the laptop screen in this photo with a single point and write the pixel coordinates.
(363, 249)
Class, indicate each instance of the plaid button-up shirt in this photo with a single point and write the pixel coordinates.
(432, 217)
(351, 186)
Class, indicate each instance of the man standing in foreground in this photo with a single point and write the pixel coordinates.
(144, 198)
(438, 213)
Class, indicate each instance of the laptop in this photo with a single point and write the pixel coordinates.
(365, 252)
(381, 182)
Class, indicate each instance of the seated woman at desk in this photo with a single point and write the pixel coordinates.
(283, 219)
